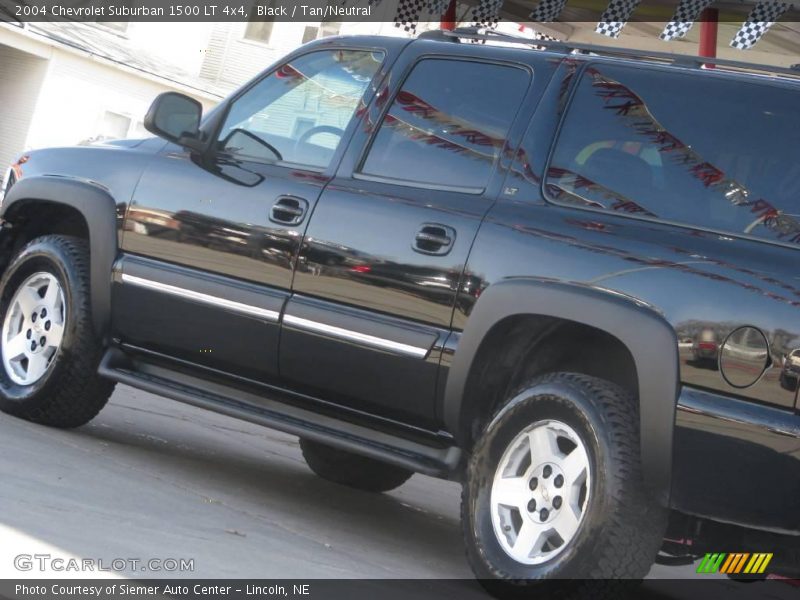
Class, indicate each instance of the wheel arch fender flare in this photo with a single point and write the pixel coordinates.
(98, 209)
(650, 339)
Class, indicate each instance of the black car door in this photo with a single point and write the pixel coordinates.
(382, 259)
(210, 242)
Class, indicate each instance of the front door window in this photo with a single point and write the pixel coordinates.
(298, 114)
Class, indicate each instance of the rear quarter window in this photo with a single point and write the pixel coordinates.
(698, 150)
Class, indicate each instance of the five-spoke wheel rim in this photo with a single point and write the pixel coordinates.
(33, 328)
(540, 492)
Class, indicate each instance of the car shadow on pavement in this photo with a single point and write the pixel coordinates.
(261, 475)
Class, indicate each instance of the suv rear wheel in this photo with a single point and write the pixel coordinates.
(352, 470)
(49, 351)
(554, 488)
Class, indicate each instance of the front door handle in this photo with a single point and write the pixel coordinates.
(433, 238)
(288, 210)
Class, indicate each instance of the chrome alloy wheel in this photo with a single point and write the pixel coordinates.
(540, 492)
(33, 328)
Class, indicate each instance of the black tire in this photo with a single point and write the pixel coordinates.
(352, 470)
(622, 526)
(70, 393)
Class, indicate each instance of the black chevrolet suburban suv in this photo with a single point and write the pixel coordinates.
(567, 278)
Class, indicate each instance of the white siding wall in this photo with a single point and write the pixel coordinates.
(77, 93)
(21, 77)
(231, 60)
(182, 44)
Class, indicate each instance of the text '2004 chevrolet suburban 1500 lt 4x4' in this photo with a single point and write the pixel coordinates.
(568, 280)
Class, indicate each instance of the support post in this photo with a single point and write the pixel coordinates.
(449, 16)
(709, 24)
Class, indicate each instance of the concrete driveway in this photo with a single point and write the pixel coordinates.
(150, 478)
(153, 479)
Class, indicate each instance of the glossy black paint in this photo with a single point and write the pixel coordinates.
(642, 261)
(221, 337)
(394, 382)
(368, 246)
(699, 280)
(217, 226)
(352, 261)
(737, 461)
(235, 217)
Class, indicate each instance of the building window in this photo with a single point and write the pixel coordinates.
(325, 29)
(330, 28)
(259, 31)
(310, 34)
(115, 126)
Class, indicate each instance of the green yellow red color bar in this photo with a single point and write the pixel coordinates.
(735, 562)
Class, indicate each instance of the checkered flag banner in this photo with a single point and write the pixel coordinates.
(758, 22)
(615, 16)
(683, 19)
(407, 15)
(538, 35)
(547, 11)
(486, 13)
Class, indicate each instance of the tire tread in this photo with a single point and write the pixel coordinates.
(81, 393)
(634, 525)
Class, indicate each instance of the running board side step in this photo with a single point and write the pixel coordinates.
(261, 410)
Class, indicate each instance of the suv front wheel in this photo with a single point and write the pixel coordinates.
(49, 349)
(554, 488)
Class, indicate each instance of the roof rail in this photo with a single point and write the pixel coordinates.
(438, 34)
(685, 60)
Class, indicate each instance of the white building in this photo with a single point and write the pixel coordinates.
(238, 51)
(67, 83)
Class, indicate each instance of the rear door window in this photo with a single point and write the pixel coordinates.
(694, 149)
(448, 124)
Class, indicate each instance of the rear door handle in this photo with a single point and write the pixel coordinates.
(288, 210)
(433, 238)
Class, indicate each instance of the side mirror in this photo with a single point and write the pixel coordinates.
(176, 118)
